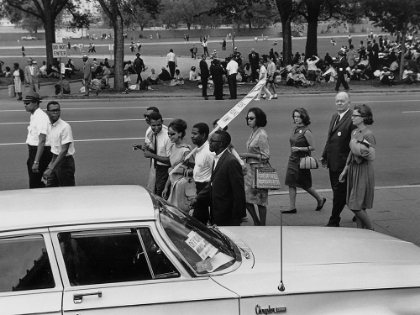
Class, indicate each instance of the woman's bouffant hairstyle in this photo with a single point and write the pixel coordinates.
(306, 120)
(178, 125)
(366, 113)
(260, 116)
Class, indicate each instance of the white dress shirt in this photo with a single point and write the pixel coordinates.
(171, 57)
(60, 133)
(232, 67)
(203, 163)
(38, 124)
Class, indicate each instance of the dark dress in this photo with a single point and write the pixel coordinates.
(296, 177)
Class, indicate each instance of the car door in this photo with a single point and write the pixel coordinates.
(117, 269)
(29, 279)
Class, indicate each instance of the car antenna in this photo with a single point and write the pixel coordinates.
(281, 286)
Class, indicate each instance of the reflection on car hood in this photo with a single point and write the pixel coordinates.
(322, 259)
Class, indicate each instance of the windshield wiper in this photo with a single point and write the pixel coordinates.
(225, 239)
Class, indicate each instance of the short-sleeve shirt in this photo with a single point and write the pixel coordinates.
(263, 72)
(203, 163)
(60, 133)
(164, 145)
(38, 124)
(232, 67)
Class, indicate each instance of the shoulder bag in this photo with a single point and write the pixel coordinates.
(266, 177)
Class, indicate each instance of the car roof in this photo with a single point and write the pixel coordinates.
(52, 207)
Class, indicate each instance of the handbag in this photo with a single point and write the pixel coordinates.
(308, 162)
(266, 177)
(186, 192)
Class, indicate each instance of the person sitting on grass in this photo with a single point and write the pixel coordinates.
(330, 74)
(66, 87)
(178, 79)
(194, 75)
(386, 76)
(165, 75)
(153, 78)
(8, 73)
(127, 81)
(409, 76)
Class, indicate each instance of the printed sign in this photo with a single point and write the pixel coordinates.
(203, 248)
(59, 50)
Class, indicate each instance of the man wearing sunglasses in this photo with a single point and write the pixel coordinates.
(37, 140)
(61, 169)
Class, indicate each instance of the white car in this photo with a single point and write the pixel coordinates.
(29, 38)
(121, 250)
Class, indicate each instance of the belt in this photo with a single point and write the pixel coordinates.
(36, 147)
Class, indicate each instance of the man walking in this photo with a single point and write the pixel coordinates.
(335, 153)
(138, 66)
(171, 62)
(232, 70)
(159, 150)
(225, 191)
(202, 168)
(341, 72)
(61, 170)
(204, 70)
(39, 148)
(32, 73)
(254, 59)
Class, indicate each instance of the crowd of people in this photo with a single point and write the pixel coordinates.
(216, 184)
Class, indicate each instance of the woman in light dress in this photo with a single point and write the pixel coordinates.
(18, 78)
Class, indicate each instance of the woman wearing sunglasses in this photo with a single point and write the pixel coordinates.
(174, 190)
(258, 152)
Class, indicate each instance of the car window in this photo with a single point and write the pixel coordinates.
(109, 256)
(24, 264)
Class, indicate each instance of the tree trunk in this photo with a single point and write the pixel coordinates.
(287, 41)
(189, 26)
(312, 38)
(49, 26)
(250, 24)
(118, 54)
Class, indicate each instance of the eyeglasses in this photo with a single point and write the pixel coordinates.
(146, 116)
(170, 134)
(211, 140)
(54, 110)
(26, 103)
(353, 116)
(249, 118)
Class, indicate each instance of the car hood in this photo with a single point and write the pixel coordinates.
(320, 260)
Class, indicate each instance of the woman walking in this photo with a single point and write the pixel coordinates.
(258, 152)
(359, 169)
(176, 132)
(18, 78)
(302, 144)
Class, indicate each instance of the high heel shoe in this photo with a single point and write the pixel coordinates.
(289, 211)
(322, 205)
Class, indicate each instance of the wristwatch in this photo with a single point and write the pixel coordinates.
(35, 162)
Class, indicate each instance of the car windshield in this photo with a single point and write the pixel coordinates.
(205, 249)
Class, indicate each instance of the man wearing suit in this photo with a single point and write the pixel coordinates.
(204, 70)
(87, 74)
(336, 152)
(225, 192)
(217, 73)
(254, 59)
(31, 76)
(341, 72)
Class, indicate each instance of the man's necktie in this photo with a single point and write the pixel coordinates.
(336, 121)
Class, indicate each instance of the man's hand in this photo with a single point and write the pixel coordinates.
(323, 162)
(193, 203)
(138, 147)
(244, 169)
(47, 173)
(35, 168)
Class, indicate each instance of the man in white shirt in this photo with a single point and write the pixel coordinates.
(32, 73)
(202, 168)
(232, 70)
(39, 148)
(159, 150)
(61, 171)
(171, 62)
(271, 71)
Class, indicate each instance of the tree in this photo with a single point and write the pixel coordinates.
(116, 10)
(47, 11)
(24, 20)
(394, 16)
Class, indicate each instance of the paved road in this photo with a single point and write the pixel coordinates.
(105, 131)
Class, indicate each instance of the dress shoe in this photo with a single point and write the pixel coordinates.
(333, 224)
(289, 211)
(321, 206)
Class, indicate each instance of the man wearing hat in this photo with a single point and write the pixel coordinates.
(341, 72)
(138, 66)
(38, 144)
(32, 73)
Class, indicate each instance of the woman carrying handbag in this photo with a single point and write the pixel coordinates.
(302, 143)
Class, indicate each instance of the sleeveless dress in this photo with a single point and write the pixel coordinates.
(360, 176)
(177, 155)
(256, 144)
(296, 177)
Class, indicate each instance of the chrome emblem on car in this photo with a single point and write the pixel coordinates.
(269, 310)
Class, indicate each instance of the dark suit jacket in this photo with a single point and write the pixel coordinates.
(225, 192)
(337, 147)
(217, 74)
(204, 69)
(253, 61)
